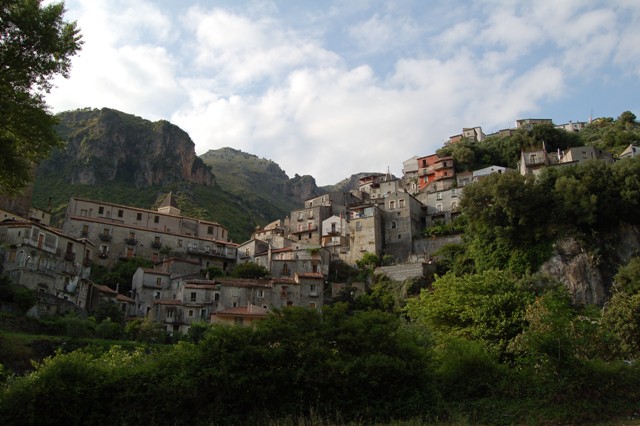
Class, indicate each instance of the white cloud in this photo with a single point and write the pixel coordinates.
(319, 103)
(383, 33)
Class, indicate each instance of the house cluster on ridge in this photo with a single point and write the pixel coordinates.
(383, 215)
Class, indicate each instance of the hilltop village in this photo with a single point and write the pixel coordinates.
(385, 216)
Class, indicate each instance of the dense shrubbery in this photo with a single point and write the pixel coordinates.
(346, 366)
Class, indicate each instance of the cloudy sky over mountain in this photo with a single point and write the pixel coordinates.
(331, 88)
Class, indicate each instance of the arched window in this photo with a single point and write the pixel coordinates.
(394, 225)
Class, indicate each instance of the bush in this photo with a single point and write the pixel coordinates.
(108, 329)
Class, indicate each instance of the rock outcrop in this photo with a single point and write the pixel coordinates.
(587, 272)
(105, 145)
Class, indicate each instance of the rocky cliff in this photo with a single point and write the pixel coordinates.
(105, 145)
(587, 270)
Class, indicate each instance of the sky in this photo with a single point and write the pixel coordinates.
(333, 88)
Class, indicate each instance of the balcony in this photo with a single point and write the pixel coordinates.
(69, 256)
(105, 237)
(156, 245)
(84, 234)
(103, 255)
(131, 241)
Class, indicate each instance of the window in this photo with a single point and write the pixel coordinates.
(159, 281)
(216, 296)
(454, 193)
(83, 212)
(170, 313)
(179, 243)
(193, 296)
(401, 203)
(312, 305)
(310, 235)
(120, 213)
(190, 312)
(101, 210)
(139, 216)
(313, 290)
(454, 205)
(210, 230)
(238, 321)
(392, 205)
(399, 236)
(132, 235)
(439, 207)
(156, 295)
(156, 219)
(439, 196)
(85, 230)
(394, 225)
(260, 294)
(532, 158)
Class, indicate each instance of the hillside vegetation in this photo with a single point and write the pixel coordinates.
(492, 340)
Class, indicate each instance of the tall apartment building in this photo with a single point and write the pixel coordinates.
(123, 232)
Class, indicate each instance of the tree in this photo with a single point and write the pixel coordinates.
(249, 270)
(487, 307)
(36, 44)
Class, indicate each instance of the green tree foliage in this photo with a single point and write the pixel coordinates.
(249, 270)
(20, 296)
(612, 135)
(506, 217)
(109, 310)
(621, 314)
(487, 307)
(368, 261)
(36, 45)
(121, 275)
(512, 221)
(367, 367)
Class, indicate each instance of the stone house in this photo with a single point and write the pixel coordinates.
(366, 232)
(304, 224)
(44, 259)
(403, 222)
(335, 235)
(435, 172)
(123, 232)
(441, 206)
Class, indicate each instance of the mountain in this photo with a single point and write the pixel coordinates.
(255, 179)
(121, 158)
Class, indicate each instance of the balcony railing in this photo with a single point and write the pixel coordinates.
(103, 255)
(131, 241)
(156, 245)
(105, 237)
(70, 256)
